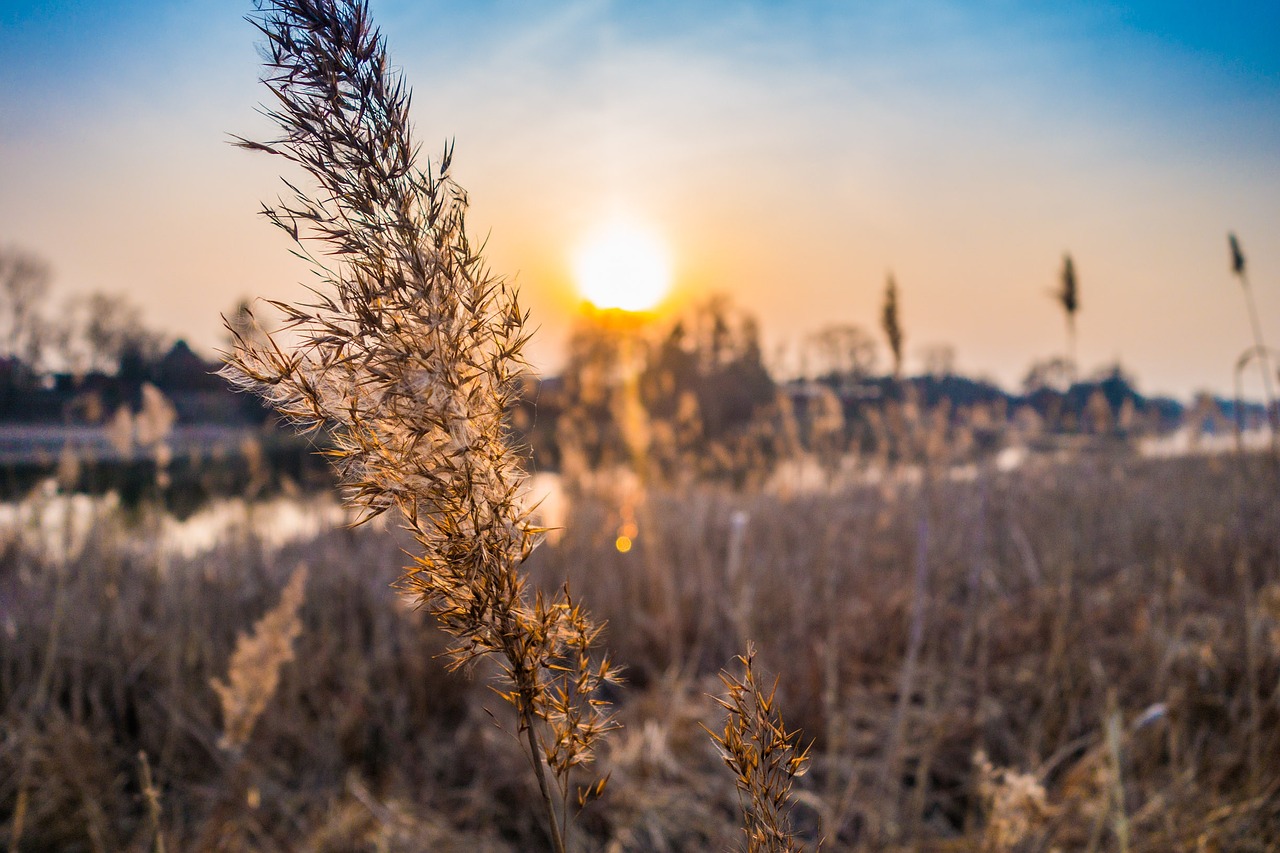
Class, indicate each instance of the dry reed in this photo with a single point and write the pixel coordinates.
(254, 671)
(891, 324)
(763, 757)
(367, 741)
(411, 357)
(1068, 297)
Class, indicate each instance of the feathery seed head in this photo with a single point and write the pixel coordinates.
(892, 325)
(1069, 295)
(1237, 255)
(762, 754)
(410, 355)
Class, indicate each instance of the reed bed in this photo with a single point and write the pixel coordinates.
(1098, 664)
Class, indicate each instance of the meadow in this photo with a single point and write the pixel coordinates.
(1079, 653)
(850, 612)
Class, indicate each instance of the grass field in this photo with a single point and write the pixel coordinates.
(1082, 654)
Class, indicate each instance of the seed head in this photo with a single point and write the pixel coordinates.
(1237, 256)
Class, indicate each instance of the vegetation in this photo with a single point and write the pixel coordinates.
(1259, 351)
(1062, 596)
(410, 359)
(1075, 646)
(1068, 296)
(891, 325)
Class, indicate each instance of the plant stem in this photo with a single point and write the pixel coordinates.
(1264, 360)
(915, 644)
(1072, 371)
(557, 840)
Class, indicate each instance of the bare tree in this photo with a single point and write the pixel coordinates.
(939, 359)
(845, 352)
(1053, 374)
(97, 331)
(24, 285)
(245, 324)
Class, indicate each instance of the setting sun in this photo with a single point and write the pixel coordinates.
(624, 266)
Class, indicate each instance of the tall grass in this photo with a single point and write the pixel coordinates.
(763, 756)
(1053, 588)
(1259, 351)
(411, 356)
(1068, 296)
(1081, 654)
(891, 324)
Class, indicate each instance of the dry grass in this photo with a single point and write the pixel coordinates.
(1077, 655)
(763, 757)
(1049, 588)
(411, 358)
(1054, 589)
(254, 671)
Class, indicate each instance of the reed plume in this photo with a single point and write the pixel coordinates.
(410, 355)
(1016, 805)
(254, 672)
(1068, 297)
(892, 326)
(1259, 349)
(763, 756)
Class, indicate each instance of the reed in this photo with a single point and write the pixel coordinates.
(1172, 600)
(1259, 350)
(254, 671)
(763, 756)
(410, 355)
(1068, 296)
(892, 325)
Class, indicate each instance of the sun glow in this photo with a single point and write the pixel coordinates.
(622, 265)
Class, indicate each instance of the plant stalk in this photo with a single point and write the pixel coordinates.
(557, 839)
(1264, 358)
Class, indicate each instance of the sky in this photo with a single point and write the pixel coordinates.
(791, 155)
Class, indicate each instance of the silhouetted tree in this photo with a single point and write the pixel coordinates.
(846, 353)
(721, 365)
(24, 286)
(939, 360)
(104, 333)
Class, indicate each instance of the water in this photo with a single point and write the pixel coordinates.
(60, 524)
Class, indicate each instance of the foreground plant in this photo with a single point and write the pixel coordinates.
(410, 356)
(762, 754)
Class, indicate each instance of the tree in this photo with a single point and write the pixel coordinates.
(24, 286)
(244, 326)
(104, 333)
(939, 360)
(1052, 374)
(846, 353)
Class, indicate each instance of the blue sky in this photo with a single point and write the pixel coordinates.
(792, 154)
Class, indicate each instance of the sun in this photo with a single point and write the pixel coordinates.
(622, 265)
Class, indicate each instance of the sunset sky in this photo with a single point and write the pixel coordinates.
(789, 154)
